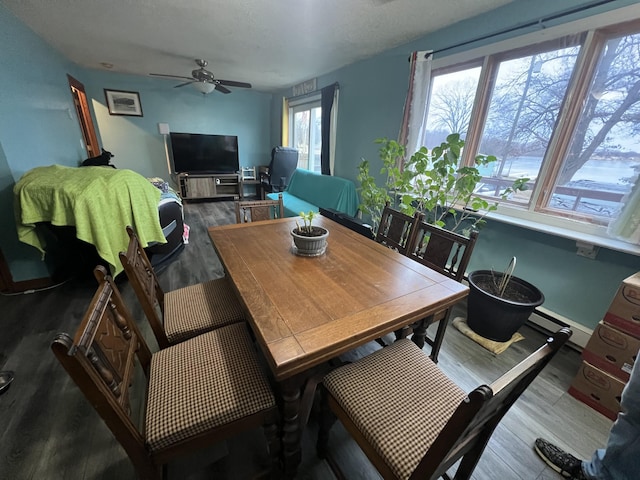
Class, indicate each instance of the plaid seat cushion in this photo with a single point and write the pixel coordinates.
(398, 399)
(202, 383)
(199, 308)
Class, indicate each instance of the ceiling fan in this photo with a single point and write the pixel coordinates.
(204, 81)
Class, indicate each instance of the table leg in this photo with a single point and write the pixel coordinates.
(291, 432)
(420, 331)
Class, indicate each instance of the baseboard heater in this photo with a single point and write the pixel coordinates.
(549, 321)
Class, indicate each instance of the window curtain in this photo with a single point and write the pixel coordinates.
(329, 105)
(626, 226)
(416, 103)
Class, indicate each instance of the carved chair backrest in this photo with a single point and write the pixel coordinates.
(469, 429)
(145, 284)
(442, 250)
(258, 210)
(396, 228)
(100, 359)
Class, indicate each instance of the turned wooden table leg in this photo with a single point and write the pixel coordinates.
(420, 331)
(291, 434)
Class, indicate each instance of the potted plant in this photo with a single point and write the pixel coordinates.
(499, 303)
(309, 240)
(432, 182)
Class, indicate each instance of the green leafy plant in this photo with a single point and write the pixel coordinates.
(431, 182)
(374, 197)
(307, 218)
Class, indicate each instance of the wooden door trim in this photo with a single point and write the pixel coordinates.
(87, 126)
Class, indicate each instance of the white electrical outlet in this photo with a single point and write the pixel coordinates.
(587, 250)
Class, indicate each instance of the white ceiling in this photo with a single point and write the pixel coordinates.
(268, 43)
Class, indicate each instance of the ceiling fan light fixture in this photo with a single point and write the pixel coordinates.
(204, 87)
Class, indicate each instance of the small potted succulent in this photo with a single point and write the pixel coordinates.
(309, 240)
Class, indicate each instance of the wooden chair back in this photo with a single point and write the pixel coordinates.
(145, 284)
(258, 210)
(396, 228)
(100, 360)
(469, 429)
(442, 250)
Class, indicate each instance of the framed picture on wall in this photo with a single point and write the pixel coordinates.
(120, 102)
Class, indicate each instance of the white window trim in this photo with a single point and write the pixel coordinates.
(546, 223)
(308, 101)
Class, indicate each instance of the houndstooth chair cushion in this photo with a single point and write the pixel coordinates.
(205, 382)
(196, 309)
(398, 399)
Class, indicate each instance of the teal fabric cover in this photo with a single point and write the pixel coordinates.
(310, 191)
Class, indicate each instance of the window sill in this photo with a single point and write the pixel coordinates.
(565, 228)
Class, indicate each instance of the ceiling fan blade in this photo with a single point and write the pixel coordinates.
(183, 84)
(170, 76)
(232, 83)
(222, 89)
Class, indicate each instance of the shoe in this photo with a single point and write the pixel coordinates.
(5, 381)
(562, 462)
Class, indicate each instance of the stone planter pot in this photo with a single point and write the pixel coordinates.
(499, 318)
(310, 245)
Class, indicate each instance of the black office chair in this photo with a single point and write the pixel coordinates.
(284, 161)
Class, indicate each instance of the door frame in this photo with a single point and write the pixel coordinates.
(85, 120)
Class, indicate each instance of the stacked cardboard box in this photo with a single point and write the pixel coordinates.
(611, 352)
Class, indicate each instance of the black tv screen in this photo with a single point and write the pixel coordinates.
(202, 153)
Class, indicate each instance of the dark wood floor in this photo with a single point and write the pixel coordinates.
(49, 431)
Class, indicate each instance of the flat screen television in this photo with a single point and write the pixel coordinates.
(202, 153)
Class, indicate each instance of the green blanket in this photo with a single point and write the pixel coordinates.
(99, 201)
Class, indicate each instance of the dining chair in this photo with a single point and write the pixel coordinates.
(201, 391)
(257, 210)
(183, 313)
(395, 231)
(395, 228)
(446, 252)
(375, 397)
(442, 250)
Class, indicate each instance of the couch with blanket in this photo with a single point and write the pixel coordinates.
(310, 191)
(55, 205)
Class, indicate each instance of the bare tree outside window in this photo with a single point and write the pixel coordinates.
(582, 166)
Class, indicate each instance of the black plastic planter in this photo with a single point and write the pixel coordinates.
(498, 318)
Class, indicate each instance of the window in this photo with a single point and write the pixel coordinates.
(528, 89)
(603, 158)
(564, 113)
(305, 133)
(452, 96)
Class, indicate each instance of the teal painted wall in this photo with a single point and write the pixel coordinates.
(372, 94)
(38, 125)
(135, 141)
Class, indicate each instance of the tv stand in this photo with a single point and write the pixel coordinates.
(216, 185)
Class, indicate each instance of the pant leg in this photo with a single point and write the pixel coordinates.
(620, 459)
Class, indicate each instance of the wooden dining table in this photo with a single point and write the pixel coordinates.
(306, 311)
